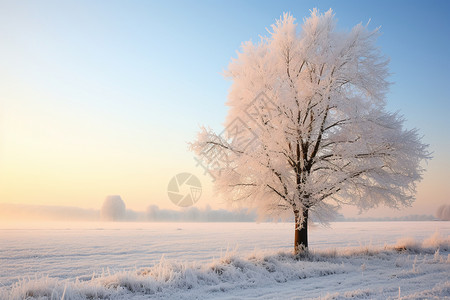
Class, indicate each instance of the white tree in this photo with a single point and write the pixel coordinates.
(307, 130)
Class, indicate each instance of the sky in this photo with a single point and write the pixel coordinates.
(101, 98)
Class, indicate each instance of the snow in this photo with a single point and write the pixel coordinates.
(224, 261)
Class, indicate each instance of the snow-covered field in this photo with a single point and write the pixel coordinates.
(379, 260)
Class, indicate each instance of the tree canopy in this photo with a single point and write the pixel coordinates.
(307, 129)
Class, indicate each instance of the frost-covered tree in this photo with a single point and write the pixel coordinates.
(307, 130)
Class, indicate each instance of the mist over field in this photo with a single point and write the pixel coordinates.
(22, 212)
(116, 212)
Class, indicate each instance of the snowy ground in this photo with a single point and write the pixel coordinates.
(191, 261)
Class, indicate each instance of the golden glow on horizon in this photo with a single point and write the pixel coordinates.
(51, 159)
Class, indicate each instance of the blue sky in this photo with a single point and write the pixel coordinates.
(101, 97)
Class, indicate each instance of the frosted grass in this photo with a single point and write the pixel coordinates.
(123, 260)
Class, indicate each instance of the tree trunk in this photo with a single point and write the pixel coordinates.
(301, 231)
